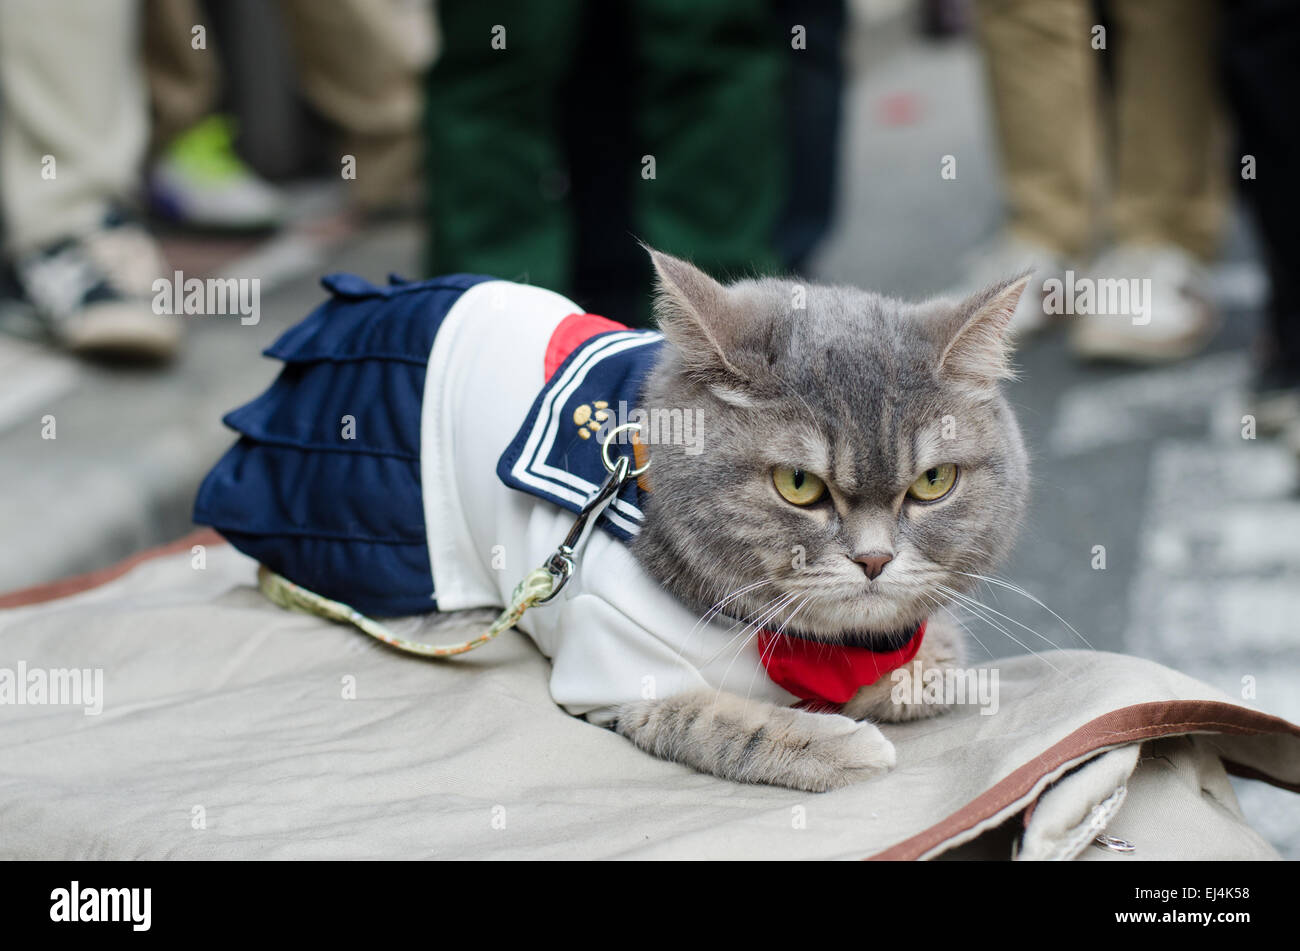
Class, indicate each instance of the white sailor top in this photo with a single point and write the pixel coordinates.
(426, 445)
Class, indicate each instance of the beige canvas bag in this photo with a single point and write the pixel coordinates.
(230, 728)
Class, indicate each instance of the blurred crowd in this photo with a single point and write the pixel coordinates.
(541, 141)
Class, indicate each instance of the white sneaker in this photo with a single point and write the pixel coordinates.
(95, 294)
(201, 182)
(1004, 256)
(1165, 312)
(235, 203)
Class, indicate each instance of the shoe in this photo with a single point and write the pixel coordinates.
(94, 294)
(1166, 312)
(201, 182)
(1004, 256)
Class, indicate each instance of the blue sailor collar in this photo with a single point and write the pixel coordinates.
(556, 453)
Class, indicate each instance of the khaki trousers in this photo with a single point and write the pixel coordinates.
(73, 116)
(1161, 176)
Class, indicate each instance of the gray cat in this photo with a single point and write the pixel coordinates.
(866, 434)
(869, 431)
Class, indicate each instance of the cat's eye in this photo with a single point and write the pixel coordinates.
(797, 486)
(934, 483)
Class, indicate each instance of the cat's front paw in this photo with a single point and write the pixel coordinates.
(825, 751)
(752, 742)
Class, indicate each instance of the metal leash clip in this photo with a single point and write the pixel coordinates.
(563, 560)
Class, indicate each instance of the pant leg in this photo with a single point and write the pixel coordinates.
(813, 96)
(1262, 63)
(496, 170)
(610, 275)
(361, 63)
(71, 87)
(183, 82)
(710, 111)
(1042, 75)
(1170, 181)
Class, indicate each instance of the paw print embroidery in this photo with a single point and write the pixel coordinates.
(589, 418)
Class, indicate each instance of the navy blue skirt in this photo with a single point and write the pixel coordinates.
(323, 485)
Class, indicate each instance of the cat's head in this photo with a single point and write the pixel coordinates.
(854, 454)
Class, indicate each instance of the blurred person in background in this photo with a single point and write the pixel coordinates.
(558, 134)
(196, 177)
(1058, 98)
(75, 129)
(74, 125)
(814, 105)
(1261, 45)
(359, 65)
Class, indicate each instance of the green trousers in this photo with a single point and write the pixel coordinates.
(705, 161)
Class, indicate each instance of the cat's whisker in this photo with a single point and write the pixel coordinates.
(752, 627)
(784, 624)
(776, 636)
(744, 625)
(717, 608)
(753, 634)
(1025, 594)
(731, 597)
(978, 608)
(957, 619)
(1005, 617)
(939, 605)
(977, 612)
(743, 619)
(762, 624)
(758, 626)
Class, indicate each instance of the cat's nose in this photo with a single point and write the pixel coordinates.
(873, 562)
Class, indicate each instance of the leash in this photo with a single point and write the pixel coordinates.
(537, 587)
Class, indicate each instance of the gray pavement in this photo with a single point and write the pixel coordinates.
(1199, 526)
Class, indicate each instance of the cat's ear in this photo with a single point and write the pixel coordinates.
(976, 347)
(699, 317)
